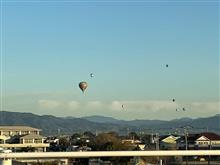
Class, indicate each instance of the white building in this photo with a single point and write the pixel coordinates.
(17, 137)
(208, 140)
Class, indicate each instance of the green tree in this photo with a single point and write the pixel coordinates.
(75, 136)
(63, 143)
(89, 134)
(109, 142)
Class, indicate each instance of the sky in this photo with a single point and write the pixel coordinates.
(48, 47)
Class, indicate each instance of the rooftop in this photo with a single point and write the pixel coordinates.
(18, 128)
(210, 135)
(30, 136)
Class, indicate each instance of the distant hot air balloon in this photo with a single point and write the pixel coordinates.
(83, 85)
(91, 75)
(167, 65)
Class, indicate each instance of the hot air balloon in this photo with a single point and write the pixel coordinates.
(91, 75)
(83, 85)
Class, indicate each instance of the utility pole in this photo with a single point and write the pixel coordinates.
(160, 162)
(186, 142)
(157, 142)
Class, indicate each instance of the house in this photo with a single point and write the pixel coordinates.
(205, 140)
(18, 130)
(52, 140)
(186, 142)
(22, 137)
(31, 139)
(135, 144)
(208, 140)
(130, 141)
(168, 142)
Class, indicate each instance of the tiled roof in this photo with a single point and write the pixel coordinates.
(210, 135)
(31, 136)
(169, 136)
(18, 128)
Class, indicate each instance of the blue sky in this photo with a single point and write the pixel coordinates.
(48, 48)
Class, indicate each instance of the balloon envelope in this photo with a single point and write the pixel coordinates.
(83, 85)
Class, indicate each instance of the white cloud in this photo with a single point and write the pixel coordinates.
(73, 105)
(206, 106)
(116, 105)
(153, 105)
(49, 104)
(137, 109)
(95, 105)
(150, 105)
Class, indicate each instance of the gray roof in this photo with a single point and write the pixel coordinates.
(31, 136)
(18, 128)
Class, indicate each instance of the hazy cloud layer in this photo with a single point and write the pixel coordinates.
(149, 109)
(136, 109)
(153, 105)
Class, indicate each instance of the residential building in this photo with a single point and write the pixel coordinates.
(168, 142)
(205, 140)
(134, 144)
(208, 140)
(18, 130)
(21, 137)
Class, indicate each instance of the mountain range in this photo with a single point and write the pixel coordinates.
(51, 125)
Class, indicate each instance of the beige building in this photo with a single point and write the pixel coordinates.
(18, 130)
(209, 140)
(168, 142)
(21, 137)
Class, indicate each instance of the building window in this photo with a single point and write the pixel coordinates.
(37, 140)
(24, 132)
(28, 140)
(34, 132)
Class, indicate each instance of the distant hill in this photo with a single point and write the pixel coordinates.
(101, 119)
(176, 125)
(51, 125)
